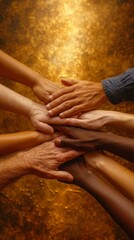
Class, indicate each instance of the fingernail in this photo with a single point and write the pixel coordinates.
(50, 112)
(61, 115)
(48, 106)
(50, 98)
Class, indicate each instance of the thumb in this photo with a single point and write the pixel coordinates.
(68, 82)
(62, 176)
(43, 127)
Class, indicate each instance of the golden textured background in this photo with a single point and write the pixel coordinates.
(82, 39)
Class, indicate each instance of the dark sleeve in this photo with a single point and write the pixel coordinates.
(120, 88)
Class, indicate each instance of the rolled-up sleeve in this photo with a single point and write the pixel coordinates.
(120, 88)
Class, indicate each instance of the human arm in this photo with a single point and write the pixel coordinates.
(97, 119)
(14, 142)
(77, 97)
(120, 176)
(117, 205)
(82, 96)
(42, 160)
(37, 113)
(16, 71)
(86, 140)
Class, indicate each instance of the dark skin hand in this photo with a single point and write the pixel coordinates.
(79, 138)
(117, 205)
(86, 140)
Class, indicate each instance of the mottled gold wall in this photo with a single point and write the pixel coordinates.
(84, 39)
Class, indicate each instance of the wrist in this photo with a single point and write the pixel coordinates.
(32, 77)
(37, 79)
(103, 96)
(30, 106)
(23, 158)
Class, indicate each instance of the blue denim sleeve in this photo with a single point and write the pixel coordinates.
(120, 88)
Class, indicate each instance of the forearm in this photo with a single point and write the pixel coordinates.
(13, 142)
(119, 145)
(118, 206)
(14, 102)
(120, 120)
(11, 168)
(14, 70)
(114, 171)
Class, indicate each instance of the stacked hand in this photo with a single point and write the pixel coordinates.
(77, 97)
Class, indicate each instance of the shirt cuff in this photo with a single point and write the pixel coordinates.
(117, 88)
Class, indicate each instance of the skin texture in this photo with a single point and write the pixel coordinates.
(42, 160)
(77, 97)
(97, 119)
(117, 205)
(120, 176)
(13, 142)
(86, 140)
(16, 71)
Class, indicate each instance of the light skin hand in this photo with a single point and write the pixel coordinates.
(41, 120)
(37, 113)
(45, 159)
(77, 97)
(94, 120)
(97, 119)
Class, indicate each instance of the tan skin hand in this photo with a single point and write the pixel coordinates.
(43, 88)
(45, 159)
(77, 97)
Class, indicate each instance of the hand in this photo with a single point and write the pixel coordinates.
(43, 88)
(45, 159)
(40, 118)
(94, 120)
(83, 140)
(77, 97)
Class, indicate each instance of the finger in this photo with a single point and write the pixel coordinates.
(62, 107)
(44, 99)
(43, 127)
(60, 142)
(76, 122)
(59, 101)
(68, 82)
(57, 121)
(61, 92)
(74, 110)
(76, 144)
(67, 156)
(70, 131)
(62, 176)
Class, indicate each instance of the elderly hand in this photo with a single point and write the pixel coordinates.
(45, 159)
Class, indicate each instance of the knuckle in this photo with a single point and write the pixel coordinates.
(75, 109)
(66, 104)
(35, 123)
